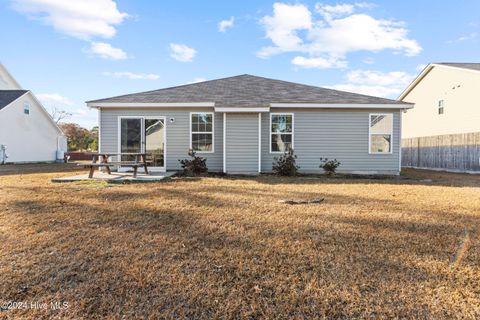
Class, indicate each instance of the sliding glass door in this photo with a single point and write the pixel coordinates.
(143, 135)
(130, 137)
(155, 141)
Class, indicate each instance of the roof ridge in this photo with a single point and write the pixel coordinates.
(173, 87)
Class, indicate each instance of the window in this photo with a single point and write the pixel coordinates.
(26, 108)
(380, 133)
(440, 106)
(201, 130)
(281, 132)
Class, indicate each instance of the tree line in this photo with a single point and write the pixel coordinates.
(79, 138)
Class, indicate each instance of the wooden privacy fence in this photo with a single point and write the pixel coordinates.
(452, 152)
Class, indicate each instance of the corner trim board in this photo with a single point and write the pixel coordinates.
(224, 142)
(259, 142)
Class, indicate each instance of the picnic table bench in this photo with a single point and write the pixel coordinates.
(100, 160)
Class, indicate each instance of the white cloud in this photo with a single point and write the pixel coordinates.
(329, 11)
(106, 51)
(226, 24)
(197, 80)
(80, 19)
(376, 83)
(340, 32)
(132, 75)
(53, 99)
(467, 37)
(339, 9)
(361, 32)
(319, 63)
(281, 28)
(370, 77)
(181, 52)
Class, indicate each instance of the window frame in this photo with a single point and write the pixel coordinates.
(26, 108)
(441, 106)
(370, 134)
(291, 133)
(196, 132)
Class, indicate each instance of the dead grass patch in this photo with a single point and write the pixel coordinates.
(225, 248)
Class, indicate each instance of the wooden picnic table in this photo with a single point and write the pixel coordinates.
(101, 160)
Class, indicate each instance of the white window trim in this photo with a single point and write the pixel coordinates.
(119, 137)
(270, 130)
(370, 134)
(213, 130)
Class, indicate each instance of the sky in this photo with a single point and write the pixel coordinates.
(68, 52)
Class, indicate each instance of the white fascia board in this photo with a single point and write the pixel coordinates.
(236, 110)
(342, 105)
(454, 67)
(424, 73)
(48, 115)
(414, 83)
(150, 105)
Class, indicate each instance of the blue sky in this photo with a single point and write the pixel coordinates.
(68, 52)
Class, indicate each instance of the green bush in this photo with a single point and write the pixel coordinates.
(286, 165)
(194, 166)
(330, 166)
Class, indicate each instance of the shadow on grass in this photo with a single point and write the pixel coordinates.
(34, 168)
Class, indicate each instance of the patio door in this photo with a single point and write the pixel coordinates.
(154, 142)
(143, 135)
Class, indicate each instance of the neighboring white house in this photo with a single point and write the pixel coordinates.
(443, 130)
(27, 132)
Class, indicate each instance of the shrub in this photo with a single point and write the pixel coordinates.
(195, 166)
(286, 165)
(330, 166)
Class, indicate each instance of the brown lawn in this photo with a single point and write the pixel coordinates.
(225, 248)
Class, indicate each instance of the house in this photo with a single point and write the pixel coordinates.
(27, 132)
(241, 123)
(443, 130)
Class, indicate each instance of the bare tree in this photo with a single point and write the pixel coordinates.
(58, 115)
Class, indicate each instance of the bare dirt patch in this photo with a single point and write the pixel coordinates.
(225, 248)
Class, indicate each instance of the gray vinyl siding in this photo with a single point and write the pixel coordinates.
(242, 143)
(177, 134)
(340, 134)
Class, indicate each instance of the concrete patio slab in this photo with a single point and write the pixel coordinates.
(116, 177)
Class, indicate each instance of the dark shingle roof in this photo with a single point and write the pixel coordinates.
(471, 66)
(8, 96)
(246, 91)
